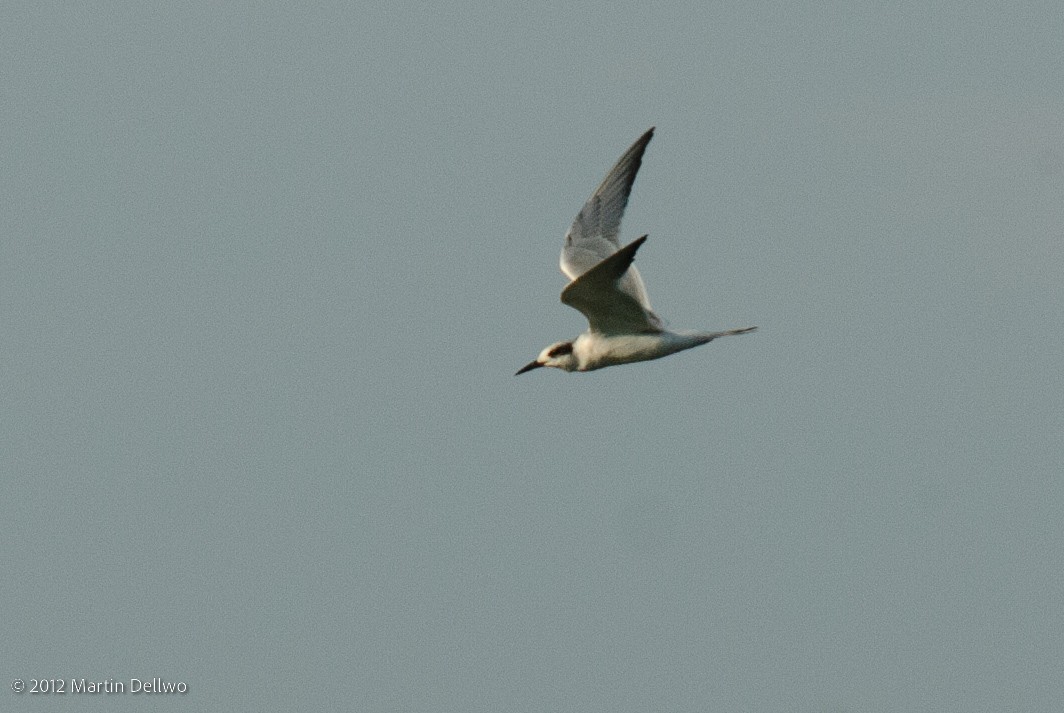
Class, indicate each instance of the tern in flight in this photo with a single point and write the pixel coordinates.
(607, 289)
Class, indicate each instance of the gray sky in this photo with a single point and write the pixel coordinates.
(267, 273)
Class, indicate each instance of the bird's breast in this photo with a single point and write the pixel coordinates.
(596, 351)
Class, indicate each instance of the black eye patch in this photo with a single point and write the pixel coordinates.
(561, 349)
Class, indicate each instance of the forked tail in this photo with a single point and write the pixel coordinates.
(705, 337)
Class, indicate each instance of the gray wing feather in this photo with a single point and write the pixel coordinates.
(593, 236)
(600, 295)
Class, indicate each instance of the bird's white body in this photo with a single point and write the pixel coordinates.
(607, 288)
(592, 350)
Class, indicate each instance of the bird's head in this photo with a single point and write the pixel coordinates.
(559, 355)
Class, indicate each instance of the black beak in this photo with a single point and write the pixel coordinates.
(528, 367)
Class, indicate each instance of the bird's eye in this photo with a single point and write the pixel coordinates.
(561, 349)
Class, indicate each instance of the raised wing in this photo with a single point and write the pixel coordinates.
(593, 236)
(600, 295)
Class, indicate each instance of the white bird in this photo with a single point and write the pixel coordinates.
(607, 288)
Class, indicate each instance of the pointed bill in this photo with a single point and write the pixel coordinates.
(528, 367)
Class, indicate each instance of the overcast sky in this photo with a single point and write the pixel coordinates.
(266, 273)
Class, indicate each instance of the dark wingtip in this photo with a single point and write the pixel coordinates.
(632, 247)
(622, 259)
